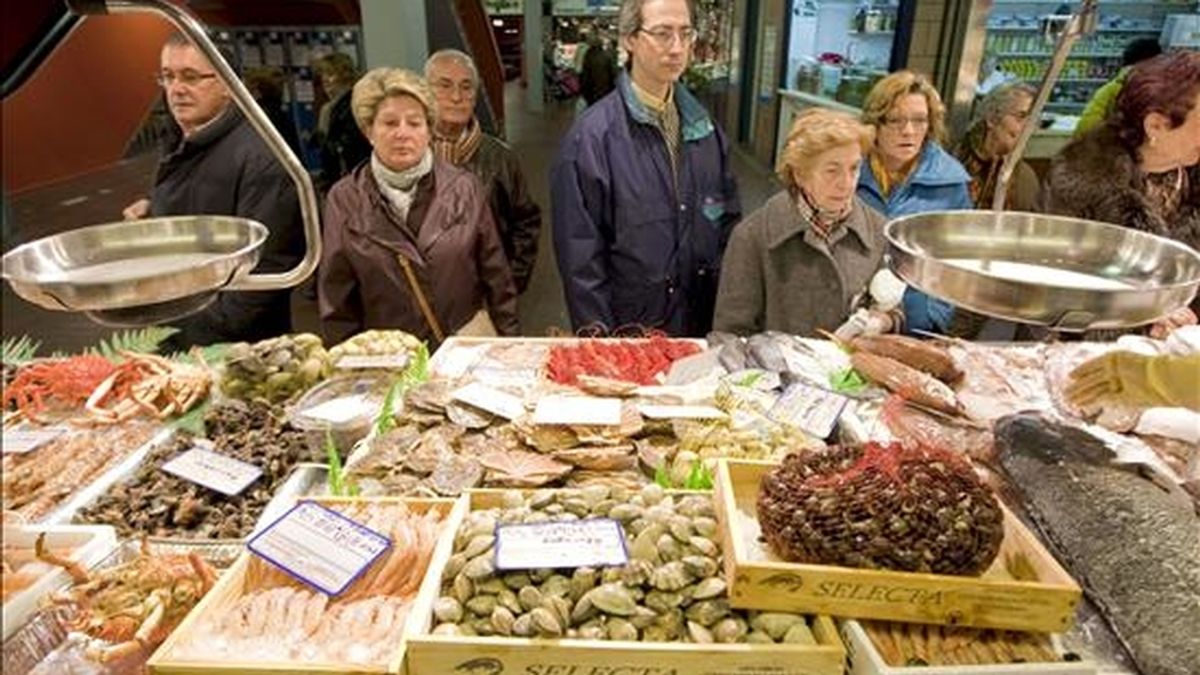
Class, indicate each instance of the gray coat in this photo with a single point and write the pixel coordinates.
(778, 275)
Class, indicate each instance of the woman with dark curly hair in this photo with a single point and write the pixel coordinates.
(1141, 169)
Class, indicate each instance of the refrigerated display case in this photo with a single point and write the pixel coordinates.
(1016, 47)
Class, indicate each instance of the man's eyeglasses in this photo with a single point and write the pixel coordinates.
(188, 78)
(899, 123)
(665, 37)
(464, 88)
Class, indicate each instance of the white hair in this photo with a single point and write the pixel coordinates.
(456, 55)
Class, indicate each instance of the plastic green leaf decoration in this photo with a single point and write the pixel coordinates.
(18, 351)
(145, 340)
(847, 381)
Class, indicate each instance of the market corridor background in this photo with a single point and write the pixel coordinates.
(98, 197)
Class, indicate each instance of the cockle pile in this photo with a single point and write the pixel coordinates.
(884, 507)
(278, 618)
(671, 590)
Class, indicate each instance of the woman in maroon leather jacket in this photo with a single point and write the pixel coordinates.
(409, 241)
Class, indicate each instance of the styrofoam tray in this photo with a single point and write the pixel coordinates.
(90, 544)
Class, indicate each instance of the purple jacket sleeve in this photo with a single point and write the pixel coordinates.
(578, 195)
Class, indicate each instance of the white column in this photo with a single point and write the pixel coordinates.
(532, 36)
(395, 33)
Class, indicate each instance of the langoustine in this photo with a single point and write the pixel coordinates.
(280, 619)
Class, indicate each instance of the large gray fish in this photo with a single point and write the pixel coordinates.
(1133, 544)
(766, 353)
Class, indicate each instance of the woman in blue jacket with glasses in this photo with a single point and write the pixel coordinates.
(908, 172)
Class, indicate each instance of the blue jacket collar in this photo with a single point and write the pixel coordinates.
(694, 121)
(935, 168)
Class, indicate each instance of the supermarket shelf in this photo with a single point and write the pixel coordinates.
(1072, 80)
(1037, 29)
(1169, 6)
(1074, 55)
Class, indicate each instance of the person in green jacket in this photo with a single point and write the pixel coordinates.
(1105, 99)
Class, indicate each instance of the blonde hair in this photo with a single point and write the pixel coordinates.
(814, 131)
(384, 83)
(886, 92)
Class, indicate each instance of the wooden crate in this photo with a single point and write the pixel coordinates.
(760, 580)
(231, 587)
(453, 655)
(864, 659)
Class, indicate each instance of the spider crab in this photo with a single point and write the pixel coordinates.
(131, 607)
(152, 384)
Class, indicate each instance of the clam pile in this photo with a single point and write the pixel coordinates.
(275, 369)
(671, 590)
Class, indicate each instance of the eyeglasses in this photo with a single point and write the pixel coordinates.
(899, 123)
(188, 78)
(466, 87)
(665, 37)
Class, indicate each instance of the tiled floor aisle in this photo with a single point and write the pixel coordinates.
(100, 196)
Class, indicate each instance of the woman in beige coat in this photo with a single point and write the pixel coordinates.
(806, 258)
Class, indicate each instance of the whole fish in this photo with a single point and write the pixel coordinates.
(766, 353)
(1133, 543)
(731, 350)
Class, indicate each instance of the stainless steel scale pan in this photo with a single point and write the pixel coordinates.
(1065, 273)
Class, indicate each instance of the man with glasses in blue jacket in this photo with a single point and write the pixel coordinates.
(642, 191)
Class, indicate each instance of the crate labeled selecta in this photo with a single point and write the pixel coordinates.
(1024, 589)
(863, 657)
(179, 655)
(429, 654)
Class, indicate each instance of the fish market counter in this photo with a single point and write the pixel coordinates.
(544, 505)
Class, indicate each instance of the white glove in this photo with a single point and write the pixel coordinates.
(863, 322)
(1183, 341)
(887, 291)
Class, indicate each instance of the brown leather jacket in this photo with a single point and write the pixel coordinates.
(455, 253)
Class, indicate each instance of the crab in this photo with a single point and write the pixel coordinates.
(131, 607)
(160, 387)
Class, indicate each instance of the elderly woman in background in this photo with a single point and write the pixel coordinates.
(804, 260)
(1140, 169)
(908, 172)
(409, 240)
(993, 133)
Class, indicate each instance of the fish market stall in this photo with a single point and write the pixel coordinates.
(553, 430)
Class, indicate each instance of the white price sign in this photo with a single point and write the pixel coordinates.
(340, 410)
(582, 410)
(20, 441)
(491, 400)
(214, 471)
(595, 542)
(815, 411)
(319, 547)
(360, 361)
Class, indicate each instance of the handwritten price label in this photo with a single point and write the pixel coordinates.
(319, 547)
(595, 542)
